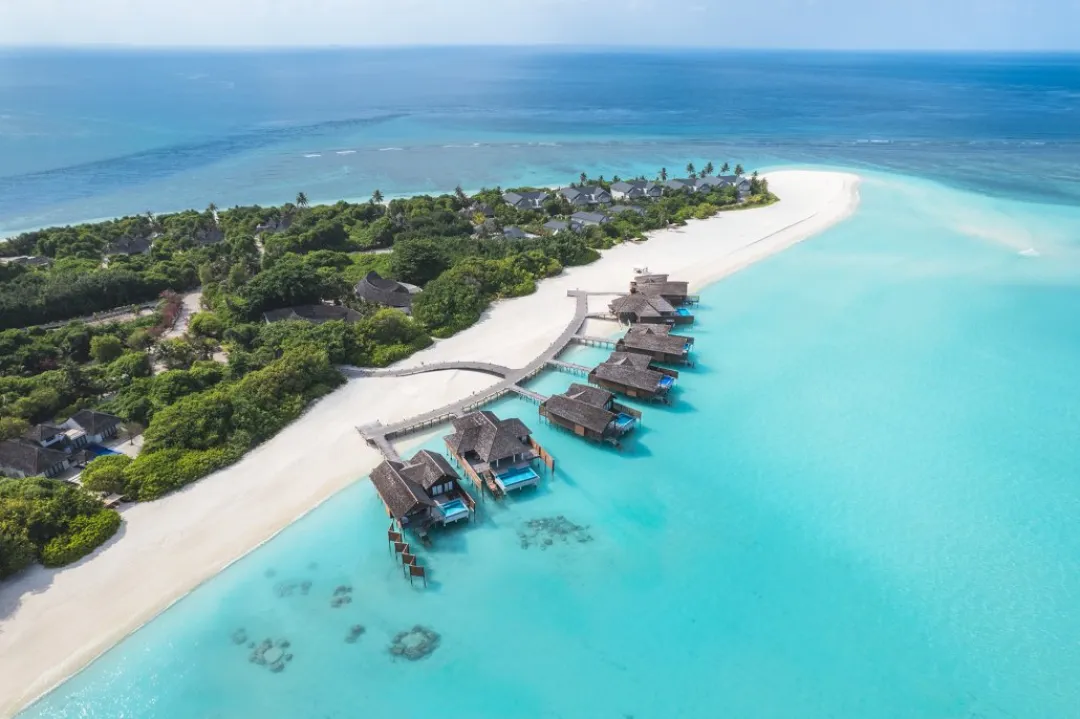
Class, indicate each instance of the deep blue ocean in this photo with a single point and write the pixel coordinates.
(93, 135)
(865, 502)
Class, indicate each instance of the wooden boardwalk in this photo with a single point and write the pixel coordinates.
(379, 435)
(568, 367)
(594, 341)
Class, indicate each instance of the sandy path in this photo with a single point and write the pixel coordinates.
(54, 622)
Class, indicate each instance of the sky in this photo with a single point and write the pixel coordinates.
(963, 25)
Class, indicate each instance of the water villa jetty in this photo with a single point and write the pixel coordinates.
(674, 292)
(591, 413)
(497, 454)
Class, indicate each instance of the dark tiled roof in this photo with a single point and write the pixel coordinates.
(630, 359)
(313, 313)
(93, 422)
(663, 289)
(556, 225)
(28, 458)
(533, 199)
(620, 209)
(375, 288)
(491, 438)
(129, 246)
(42, 432)
(571, 408)
(641, 306)
(598, 218)
(514, 233)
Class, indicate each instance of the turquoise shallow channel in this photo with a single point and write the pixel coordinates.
(862, 503)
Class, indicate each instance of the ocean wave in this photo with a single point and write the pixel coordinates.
(346, 152)
(1029, 252)
(313, 154)
(391, 149)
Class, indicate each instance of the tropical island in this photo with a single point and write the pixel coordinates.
(111, 388)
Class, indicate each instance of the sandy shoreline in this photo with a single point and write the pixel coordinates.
(52, 623)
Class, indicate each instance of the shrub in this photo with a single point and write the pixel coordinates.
(106, 474)
(84, 535)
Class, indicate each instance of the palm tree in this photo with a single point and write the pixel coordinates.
(724, 168)
(377, 197)
(663, 174)
(460, 194)
(708, 169)
(301, 200)
(615, 178)
(584, 178)
(690, 168)
(211, 210)
(738, 170)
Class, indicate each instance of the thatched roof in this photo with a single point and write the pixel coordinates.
(627, 375)
(645, 279)
(583, 406)
(649, 329)
(428, 469)
(640, 305)
(313, 313)
(378, 289)
(129, 246)
(41, 433)
(654, 342)
(491, 438)
(401, 494)
(662, 289)
(631, 359)
(28, 458)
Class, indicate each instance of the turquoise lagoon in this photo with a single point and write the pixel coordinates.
(864, 504)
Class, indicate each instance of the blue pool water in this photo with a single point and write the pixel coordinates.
(624, 421)
(100, 451)
(453, 507)
(682, 312)
(517, 476)
(667, 381)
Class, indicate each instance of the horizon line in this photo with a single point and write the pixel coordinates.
(243, 48)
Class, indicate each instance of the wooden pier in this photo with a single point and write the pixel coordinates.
(568, 367)
(593, 341)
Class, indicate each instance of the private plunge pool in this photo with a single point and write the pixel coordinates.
(517, 478)
(453, 510)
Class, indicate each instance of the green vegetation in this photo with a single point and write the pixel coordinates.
(233, 380)
(49, 521)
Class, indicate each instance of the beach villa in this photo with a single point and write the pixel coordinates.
(88, 426)
(423, 492)
(656, 342)
(589, 219)
(20, 458)
(636, 190)
(591, 413)
(386, 292)
(130, 246)
(495, 453)
(315, 314)
(49, 449)
(527, 200)
(633, 375)
(586, 196)
(637, 307)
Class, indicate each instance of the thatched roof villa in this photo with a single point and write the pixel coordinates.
(316, 314)
(634, 375)
(422, 492)
(637, 307)
(657, 343)
(590, 412)
(676, 293)
(496, 453)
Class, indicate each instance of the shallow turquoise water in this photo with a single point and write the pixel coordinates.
(863, 504)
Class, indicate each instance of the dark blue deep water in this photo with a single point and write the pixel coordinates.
(90, 135)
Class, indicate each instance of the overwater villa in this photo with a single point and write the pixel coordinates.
(676, 293)
(590, 412)
(496, 454)
(657, 343)
(422, 493)
(638, 307)
(634, 375)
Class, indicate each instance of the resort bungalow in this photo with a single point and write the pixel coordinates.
(26, 261)
(516, 233)
(315, 314)
(19, 458)
(656, 343)
(638, 308)
(623, 209)
(49, 436)
(90, 427)
(527, 200)
(634, 376)
(495, 453)
(586, 196)
(589, 219)
(676, 293)
(636, 190)
(557, 226)
(388, 293)
(130, 246)
(742, 184)
(422, 492)
(591, 413)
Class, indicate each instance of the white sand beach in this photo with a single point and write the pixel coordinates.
(54, 622)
